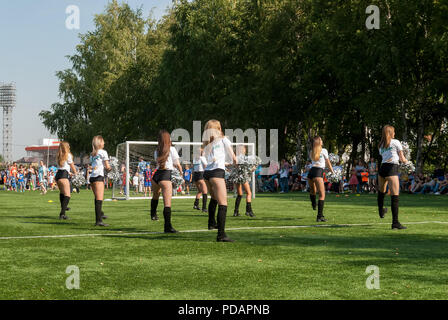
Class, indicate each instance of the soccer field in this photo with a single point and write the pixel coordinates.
(279, 254)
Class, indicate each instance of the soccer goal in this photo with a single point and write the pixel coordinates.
(132, 153)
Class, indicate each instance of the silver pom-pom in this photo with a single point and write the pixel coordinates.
(336, 177)
(334, 158)
(176, 178)
(409, 166)
(114, 173)
(406, 150)
(78, 180)
(242, 172)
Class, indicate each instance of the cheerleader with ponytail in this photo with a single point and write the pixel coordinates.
(199, 164)
(216, 147)
(65, 163)
(241, 152)
(99, 160)
(319, 158)
(167, 158)
(391, 151)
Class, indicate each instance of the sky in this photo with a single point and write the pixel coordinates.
(34, 43)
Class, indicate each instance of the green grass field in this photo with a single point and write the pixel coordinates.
(132, 260)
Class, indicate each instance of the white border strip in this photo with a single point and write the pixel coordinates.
(206, 230)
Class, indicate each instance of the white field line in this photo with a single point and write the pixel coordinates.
(206, 230)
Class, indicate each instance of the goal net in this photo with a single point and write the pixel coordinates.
(135, 156)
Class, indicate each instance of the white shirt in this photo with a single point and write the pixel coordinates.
(97, 163)
(284, 173)
(173, 157)
(135, 180)
(390, 154)
(216, 154)
(321, 162)
(66, 165)
(199, 164)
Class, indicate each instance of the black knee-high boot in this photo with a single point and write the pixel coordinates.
(64, 203)
(61, 200)
(204, 202)
(394, 204)
(222, 237)
(154, 204)
(249, 211)
(98, 214)
(211, 214)
(168, 228)
(381, 210)
(313, 201)
(320, 211)
(196, 204)
(236, 212)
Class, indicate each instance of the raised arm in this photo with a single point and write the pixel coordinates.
(402, 158)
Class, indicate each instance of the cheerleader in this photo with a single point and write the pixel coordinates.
(216, 147)
(98, 160)
(319, 158)
(241, 151)
(65, 163)
(199, 163)
(167, 158)
(391, 151)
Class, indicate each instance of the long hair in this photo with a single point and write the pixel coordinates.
(96, 144)
(63, 152)
(386, 136)
(163, 148)
(212, 131)
(316, 148)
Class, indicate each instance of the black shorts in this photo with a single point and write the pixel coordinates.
(96, 179)
(162, 175)
(217, 173)
(388, 170)
(61, 174)
(316, 172)
(197, 176)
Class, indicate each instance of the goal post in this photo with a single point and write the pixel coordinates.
(130, 153)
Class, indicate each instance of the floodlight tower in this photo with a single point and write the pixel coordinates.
(7, 102)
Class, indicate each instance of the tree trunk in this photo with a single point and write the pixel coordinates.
(404, 122)
(299, 146)
(420, 132)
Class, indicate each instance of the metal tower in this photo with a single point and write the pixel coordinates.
(7, 102)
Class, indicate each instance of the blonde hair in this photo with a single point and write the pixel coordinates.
(386, 136)
(317, 148)
(63, 152)
(241, 150)
(212, 131)
(96, 142)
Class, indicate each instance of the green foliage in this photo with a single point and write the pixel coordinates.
(263, 64)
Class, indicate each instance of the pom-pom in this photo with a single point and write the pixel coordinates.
(406, 150)
(78, 180)
(176, 178)
(336, 177)
(242, 172)
(409, 166)
(334, 158)
(114, 173)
